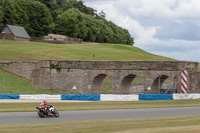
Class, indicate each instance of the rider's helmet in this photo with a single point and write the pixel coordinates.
(45, 102)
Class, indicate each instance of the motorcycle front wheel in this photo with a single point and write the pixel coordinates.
(56, 114)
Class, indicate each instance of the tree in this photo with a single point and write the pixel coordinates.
(14, 12)
(41, 21)
(1, 18)
(93, 28)
(72, 23)
(30, 14)
(102, 15)
(71, 17)
(57, 7)
(9, 12)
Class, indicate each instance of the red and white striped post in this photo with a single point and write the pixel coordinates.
(184, 75)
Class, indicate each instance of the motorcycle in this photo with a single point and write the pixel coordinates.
(51, 111)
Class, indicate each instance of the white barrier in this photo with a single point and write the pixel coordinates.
(186, 96)
(40, 97)
(113, 97)
(107, 97)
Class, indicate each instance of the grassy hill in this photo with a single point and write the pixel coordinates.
(34, 51)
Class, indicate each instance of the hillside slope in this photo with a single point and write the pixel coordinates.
(35, 51)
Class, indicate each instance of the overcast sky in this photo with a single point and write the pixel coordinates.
(169, 28)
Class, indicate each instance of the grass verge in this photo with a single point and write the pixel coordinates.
(27, 107)
(175, 124)
(35, 51)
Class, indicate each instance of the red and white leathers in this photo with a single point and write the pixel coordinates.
(44, 105)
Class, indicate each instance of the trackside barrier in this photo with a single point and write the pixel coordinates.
(113, 97)
(155, 97)
(81, 97)
(41, 97)
(6, 96)
(103, 97)
(186, 96)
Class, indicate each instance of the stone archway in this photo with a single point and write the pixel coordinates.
(126, 83)
(158, 82)
(96, 83)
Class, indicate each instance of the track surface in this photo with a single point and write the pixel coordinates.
(23, 117)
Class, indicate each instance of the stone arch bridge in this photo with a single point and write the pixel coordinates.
(87, 76)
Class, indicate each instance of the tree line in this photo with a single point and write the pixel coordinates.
(65, 17)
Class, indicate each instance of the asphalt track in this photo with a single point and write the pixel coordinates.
(24, 117)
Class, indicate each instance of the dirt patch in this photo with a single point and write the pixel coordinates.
(88, 43)
(22, 57)
(6, 60)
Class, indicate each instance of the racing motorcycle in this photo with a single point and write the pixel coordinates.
(51, 111)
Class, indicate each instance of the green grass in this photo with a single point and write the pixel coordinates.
(34, 51)
(175, 124)
(67, 106)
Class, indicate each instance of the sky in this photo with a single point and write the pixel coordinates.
(168, 28)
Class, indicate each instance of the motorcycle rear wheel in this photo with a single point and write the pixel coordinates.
(41, 114)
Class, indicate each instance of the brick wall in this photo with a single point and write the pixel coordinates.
(10, 36)
(7, 36)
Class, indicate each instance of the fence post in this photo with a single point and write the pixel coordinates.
(112, 85)
(159, 84)
(4, 83)
(60, 84)
(174, 85)
(137, 85)
(86, 90)
(32, 85)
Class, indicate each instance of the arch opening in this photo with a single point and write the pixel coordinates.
(129, 84)
(136, 86)
(101, 84)
(163, 85)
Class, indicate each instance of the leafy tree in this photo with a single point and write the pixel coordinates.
(9, 12)
(1, 19)
(30, 14)
(102, 15)
(71, 17)
(14, 13)
(93, 28)
(72, 23)
(57, 7)
(41, 21)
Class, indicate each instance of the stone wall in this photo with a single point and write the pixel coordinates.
(194, 81)
(123, 65)
(58, 39)
(20, 68)
(87, 76)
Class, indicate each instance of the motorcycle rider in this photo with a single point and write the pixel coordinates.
(45, 105)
